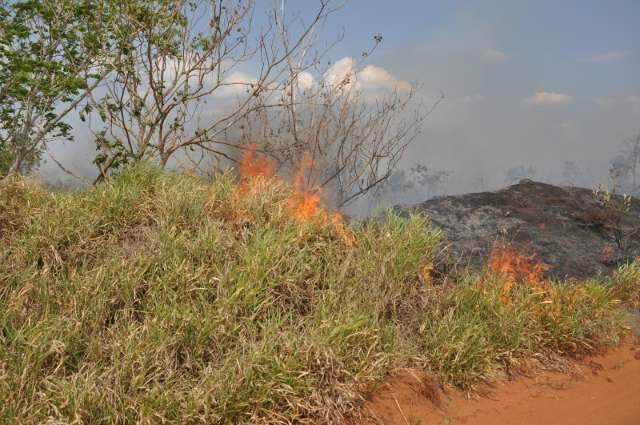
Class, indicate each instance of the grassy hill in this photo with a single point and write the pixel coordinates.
(159, 298)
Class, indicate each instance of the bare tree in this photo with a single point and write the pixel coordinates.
(632, 152)
(351, 143)
(351, 136)
(619, 170)
(183, 58)
(416, 184)
(430, 179)
(623, 170)
(185, 89)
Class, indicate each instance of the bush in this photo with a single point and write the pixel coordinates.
(625, 284)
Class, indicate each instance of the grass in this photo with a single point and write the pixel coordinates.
(158, 298)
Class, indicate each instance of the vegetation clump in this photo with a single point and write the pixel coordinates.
(156, 297)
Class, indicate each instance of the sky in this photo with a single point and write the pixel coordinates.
(525, 82)
(532, 83)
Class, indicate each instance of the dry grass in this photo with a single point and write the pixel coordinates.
(157, 298)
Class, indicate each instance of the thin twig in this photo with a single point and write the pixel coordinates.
(67, 171)
(399, 408)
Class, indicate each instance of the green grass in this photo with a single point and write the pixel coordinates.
(470, 335)
(158, 298)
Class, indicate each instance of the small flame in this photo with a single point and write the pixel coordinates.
(253, 166)
(305, 204)
(341, 229)
(515, 267)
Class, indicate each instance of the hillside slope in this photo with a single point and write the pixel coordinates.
(564, 227)
(157, 298)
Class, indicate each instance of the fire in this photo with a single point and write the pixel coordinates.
(515, 267)
(305, 203)
(304, 206)
(252, 165)
(341, 229)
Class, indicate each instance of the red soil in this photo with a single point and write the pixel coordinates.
(603, 390)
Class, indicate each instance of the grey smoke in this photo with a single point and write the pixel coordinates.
(491, 119)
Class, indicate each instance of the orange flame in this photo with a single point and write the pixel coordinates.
(341, 229)
(305, 204)
(252, 166)
(515, 267)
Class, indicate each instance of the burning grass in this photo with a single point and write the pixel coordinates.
(157, 298)
(513, 267)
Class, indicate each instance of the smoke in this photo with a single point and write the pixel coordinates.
(507, 103)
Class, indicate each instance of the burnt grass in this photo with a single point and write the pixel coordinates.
(568, 228)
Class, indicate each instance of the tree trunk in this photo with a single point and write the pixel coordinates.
(164, 158)
(16, 165)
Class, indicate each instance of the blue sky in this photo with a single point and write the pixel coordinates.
(527, 82)
(560, 44)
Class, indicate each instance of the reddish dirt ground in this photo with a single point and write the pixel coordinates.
(603, 390)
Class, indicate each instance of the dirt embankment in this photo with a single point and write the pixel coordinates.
(599, 390)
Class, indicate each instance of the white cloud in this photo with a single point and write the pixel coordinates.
(341, 72)
(490, 56)
(376, 77)
(611, 56)
(234, 83)
(549, 98)
(237, 83)
(305, 80)
(370, 78)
